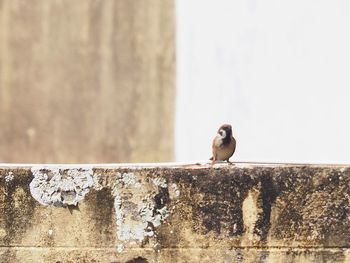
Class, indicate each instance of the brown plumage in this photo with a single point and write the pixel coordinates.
(224, 145)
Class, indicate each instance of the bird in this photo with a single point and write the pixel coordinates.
(224, 145)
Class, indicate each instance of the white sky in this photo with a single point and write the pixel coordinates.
(278, 71)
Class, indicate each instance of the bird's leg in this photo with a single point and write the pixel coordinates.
(229, 162)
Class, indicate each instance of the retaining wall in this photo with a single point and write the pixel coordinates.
(174, 213)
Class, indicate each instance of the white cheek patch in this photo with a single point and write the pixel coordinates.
(223, 134)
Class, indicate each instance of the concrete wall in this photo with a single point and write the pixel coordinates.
(184, 213)
(86, 81)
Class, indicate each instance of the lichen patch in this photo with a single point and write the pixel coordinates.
(9, 177)
(60, 187)
(137, 216)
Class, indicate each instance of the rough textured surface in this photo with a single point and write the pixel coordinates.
(176, 213)
(87, 81)
(60, 187)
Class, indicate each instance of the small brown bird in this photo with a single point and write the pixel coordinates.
(224, 145)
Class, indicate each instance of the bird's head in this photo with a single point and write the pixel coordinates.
(225, 130)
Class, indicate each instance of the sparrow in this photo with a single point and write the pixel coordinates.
(224, 145)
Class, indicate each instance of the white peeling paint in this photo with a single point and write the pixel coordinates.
(127, 179)
(174, 191)
(134, 197)
(120, 248)
(60, 187)
(96, 185)
(160, 182)
(9, 177)
(146, 211)
(138, 222)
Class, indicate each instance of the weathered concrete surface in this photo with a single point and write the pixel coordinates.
(175, 213)
(87, 81)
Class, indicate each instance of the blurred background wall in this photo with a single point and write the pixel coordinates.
(87, 81)
(279, 71)
(94, 80)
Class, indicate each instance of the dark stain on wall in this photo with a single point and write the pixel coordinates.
(18, 205)
(299, 196)
(312, 205)
(137, 260)
(268, 195)
(216, 199)
(162, 198)
(102, 211)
